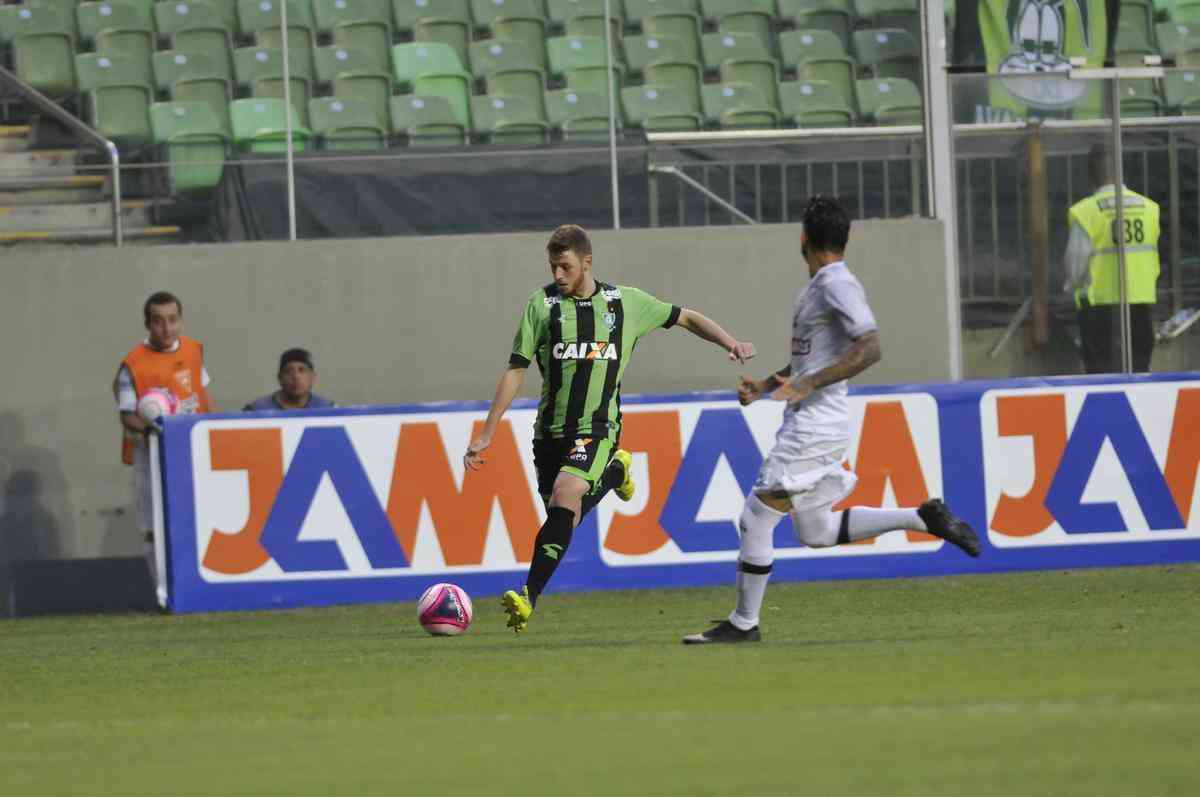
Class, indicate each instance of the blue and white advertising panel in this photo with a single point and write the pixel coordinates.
(372, 504)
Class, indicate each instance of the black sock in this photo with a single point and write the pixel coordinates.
(611, 479)
(549, 548)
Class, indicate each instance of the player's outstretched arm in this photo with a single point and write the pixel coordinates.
(705, 328)
(861, 355)
(751, 390)
(506, 390)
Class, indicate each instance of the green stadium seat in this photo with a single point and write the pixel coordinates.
(66, 10)
(1181, 92)
(835, 16)
(43, 49)
(738, 106)
(509, 120)
(1139, 14)
(796, 46)
(93, 17)
(427, 121)
(194, 144)
(195, 26)
(756, 17)
(120, 30)
(347, 124)
(509, 69)
(407, 13)
(684, 26)
(581, 61)
(352, 73)
(263, 20)
(1183, 11)
(840, 71)
(485, 12)
(666, 61)
(260, 125)
(637, 10)
(815, 103)
(527, 28)
(195, 77)
(1176, 37)
(581, 116)
(660, 108)
(118, 98)
(364, 25)
(434, 69)
(901, 14)
(889, 52)
(743, 58)
(1139, 98)
(260, 71)
(586, 17)
(890, 101)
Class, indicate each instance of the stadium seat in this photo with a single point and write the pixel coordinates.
(637, 10)
(509, 69)
(1139, 97)
(666, 61)
(259, 70)
(433, 68)
(43, 49)
(454, 32)
(815, 103)
(797, 46)
(93, 17)
(581, 116)
(347, 124)
(1181, 92)
(835, 16)
(518, 20)
(363, 25)
(427, 121)
(351, 73)
(194, 144)
(1184, 11)
(586, 17)
(263, 20)
(662, 20)
(195, 77)
(228, 14)
(1139, 14)
(581, 61)
(120, 30)
(901, 14)
(407, 13)
(756, 17)
(839, 72)
(660, 108)
(743, 58)
(889, 52)
(890, 101)
(66, 11)
(195, 26)
(738, 106)
(260, 125)
(118, 98)
(509, 120)
(485, 12)
(1176, 37)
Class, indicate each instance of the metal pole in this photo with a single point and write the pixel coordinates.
(1119, 236)
(939, 162)
(1176, 229)
(287, 102)
(612, 116)
(705, 190)
(118, 224)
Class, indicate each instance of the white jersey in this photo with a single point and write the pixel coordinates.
(827, 316)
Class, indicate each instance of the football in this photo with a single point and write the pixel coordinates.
(156, 403)
(444, 610)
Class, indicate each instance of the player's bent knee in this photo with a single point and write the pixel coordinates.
(757, 543)
(569, 489)
(816, 528)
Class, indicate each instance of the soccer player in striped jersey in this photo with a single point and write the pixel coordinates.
(833, 337)
(581, 332)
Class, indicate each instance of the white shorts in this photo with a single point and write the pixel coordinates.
(808, 469)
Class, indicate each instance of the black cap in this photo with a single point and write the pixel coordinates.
(296, 356)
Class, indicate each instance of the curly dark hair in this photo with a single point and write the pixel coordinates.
(826, 224)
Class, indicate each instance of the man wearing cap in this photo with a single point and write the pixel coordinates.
(296, 377)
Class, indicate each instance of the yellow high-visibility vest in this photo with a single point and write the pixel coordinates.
(1097, 215)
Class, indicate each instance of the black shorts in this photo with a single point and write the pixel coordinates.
(585, 457)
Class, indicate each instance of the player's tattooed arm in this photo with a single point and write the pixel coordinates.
(506, 390)
(705, 328)
(862, 354)
(751, 390)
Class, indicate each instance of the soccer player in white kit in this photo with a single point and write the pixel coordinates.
(834, 337)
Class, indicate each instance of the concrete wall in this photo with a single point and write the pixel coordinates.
(389, 321)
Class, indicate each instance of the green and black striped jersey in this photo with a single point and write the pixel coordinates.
(582, 347)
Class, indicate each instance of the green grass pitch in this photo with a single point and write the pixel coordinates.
(1057, 683)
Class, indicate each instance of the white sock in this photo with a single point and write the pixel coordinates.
(867, 521)
(756, 553)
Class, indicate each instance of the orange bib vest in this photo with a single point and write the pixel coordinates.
(179, 371)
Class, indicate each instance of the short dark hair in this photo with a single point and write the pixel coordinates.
(826, 224)
(157, 299)
(569, 238)
(296, 355)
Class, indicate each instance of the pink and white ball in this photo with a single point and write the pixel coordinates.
(445, 610)
(156, 403)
